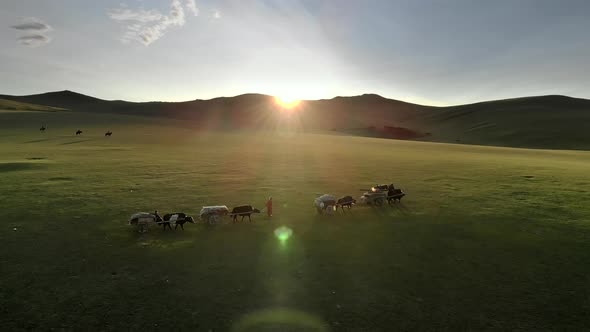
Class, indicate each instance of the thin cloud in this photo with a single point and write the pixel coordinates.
(144, 16)
(32, 24)
(147, 26)
(34, 40)
(191, 6)
(34, 30)
(216, 14)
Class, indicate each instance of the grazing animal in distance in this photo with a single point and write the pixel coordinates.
(177, 218)
(42, 128)
(78, 132)
(108, 133)
(244, 211)
(347, 201)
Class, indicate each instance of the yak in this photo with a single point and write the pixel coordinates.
(78, 132)
(347, 201)
(108, 133)
(177, 218)
(395, 194)
(243, 210)
(42, 128)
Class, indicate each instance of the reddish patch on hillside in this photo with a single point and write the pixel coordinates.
(397, 132)
(385, 132)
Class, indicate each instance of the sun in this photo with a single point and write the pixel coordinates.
(287, 102)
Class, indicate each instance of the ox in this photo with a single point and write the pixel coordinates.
(347, 201)
(244, 211)
(177, 218)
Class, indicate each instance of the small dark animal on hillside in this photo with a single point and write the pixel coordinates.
(177, 218)
(347, 201)
(78, 132)
(108, 133)
(42, 128)
(243, 210)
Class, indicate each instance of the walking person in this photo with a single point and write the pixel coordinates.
(269, 207)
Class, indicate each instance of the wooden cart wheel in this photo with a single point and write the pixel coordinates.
(379, 201)
(329, 209)
(213, 219)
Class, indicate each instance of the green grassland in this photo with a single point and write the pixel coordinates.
(487, 238)
(15, 106)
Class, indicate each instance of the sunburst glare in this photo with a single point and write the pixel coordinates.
(287, 102)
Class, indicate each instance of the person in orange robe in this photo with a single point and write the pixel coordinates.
(269, 207)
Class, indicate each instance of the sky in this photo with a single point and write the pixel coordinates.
(434, 52)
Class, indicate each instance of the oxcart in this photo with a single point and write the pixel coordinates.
(379, 194)
(213, 214)
(142, 220)
(325, 204)
(373, 198)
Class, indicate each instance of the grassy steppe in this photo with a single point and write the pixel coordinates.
(487, 238)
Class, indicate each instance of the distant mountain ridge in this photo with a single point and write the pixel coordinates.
(552, 121)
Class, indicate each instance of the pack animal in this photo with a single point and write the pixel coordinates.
(395, 195)
(347, 201)
(108, 133)
(244, 211)
(177, 218)
(79, 132)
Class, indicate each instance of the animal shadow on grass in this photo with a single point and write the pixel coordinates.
(61, 179)
(40, 140)
(14, 167)
(76, 142)
(402, 208)
(345, 211)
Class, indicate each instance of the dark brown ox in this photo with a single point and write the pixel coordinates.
(244, 211)
(347, 201)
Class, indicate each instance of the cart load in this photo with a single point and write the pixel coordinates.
(325, 203)
(212, 214)
(378, 194)
(142, 218)
(376, 198)
(380, 188)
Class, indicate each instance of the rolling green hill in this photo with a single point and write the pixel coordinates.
(11, 105)
(554, 122)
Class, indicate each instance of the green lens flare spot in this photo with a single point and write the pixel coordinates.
(283, 233)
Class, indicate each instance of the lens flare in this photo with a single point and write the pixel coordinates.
(283, 233)
(280, 319)
(287, 102)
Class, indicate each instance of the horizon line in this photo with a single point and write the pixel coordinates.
(304, 100)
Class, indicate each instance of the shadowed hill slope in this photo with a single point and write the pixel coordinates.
(556, 122)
